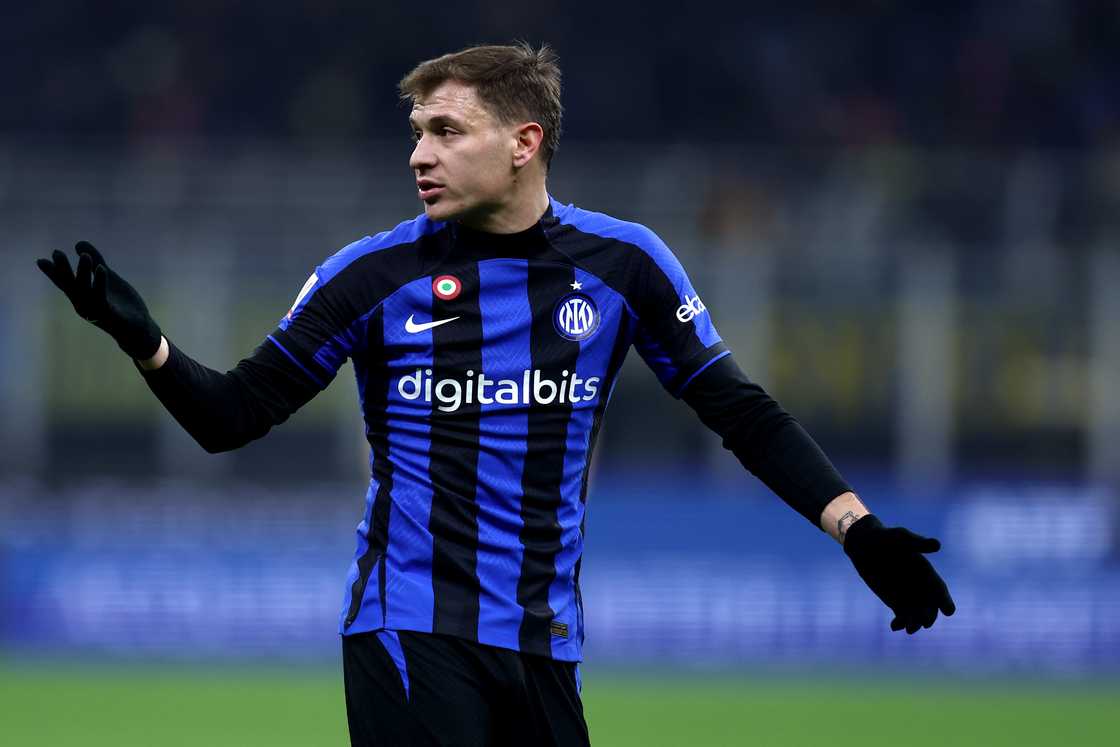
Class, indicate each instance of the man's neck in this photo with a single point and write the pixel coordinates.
(513, 217)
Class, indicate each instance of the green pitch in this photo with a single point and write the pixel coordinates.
(174, 706)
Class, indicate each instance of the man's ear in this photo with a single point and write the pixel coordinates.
(529, 138)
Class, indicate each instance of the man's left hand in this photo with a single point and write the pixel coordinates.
(892, 563)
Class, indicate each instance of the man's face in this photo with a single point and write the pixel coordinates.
(463, 159)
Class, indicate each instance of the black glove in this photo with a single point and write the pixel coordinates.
(891, 563)
(102, 297)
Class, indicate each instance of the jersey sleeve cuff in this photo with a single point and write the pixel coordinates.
(307, 370)
(694, 366)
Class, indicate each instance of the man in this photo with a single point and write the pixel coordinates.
(486, 336)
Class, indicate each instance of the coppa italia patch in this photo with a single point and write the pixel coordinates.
(446, 287)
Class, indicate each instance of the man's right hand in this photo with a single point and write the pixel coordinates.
(105, 299)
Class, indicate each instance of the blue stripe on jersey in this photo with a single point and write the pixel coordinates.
(655, 356)
(392, 643)
(593, 360)
(504, 304)
(409, 557)
(333, 354)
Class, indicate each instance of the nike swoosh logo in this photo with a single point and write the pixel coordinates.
(413, 327)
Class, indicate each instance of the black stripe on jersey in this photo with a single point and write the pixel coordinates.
(453, 464)
(374, 403)
(544, 458)
(618, 356)
(622, 340)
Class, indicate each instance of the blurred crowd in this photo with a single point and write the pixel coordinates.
(958, 72)
(823, 170)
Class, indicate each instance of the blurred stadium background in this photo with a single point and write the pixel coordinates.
(905, 220)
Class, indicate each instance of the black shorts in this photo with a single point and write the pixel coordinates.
(405, 688)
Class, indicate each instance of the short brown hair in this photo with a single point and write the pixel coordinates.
(516, 83)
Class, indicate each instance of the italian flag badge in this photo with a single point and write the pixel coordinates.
(446, 287)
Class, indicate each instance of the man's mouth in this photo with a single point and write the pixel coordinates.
(428, 189)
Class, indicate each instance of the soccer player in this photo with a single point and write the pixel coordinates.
(486, 336)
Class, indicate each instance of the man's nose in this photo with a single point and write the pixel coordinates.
(422, 155)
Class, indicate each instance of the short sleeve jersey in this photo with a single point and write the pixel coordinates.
(484, 363)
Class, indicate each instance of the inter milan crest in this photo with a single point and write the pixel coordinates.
(576, 316)
(446, 287)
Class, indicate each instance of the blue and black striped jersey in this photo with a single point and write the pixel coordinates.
(484, 364)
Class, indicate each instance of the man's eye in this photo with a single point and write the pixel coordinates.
(416, 136)
(445, 131)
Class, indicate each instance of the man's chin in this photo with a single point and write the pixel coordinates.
(440, 210)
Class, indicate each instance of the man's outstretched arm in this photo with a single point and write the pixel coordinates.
(225, 411)
(773, 445)
(221, 411)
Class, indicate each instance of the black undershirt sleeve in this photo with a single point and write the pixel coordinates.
(766, 439)
(225, 411)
